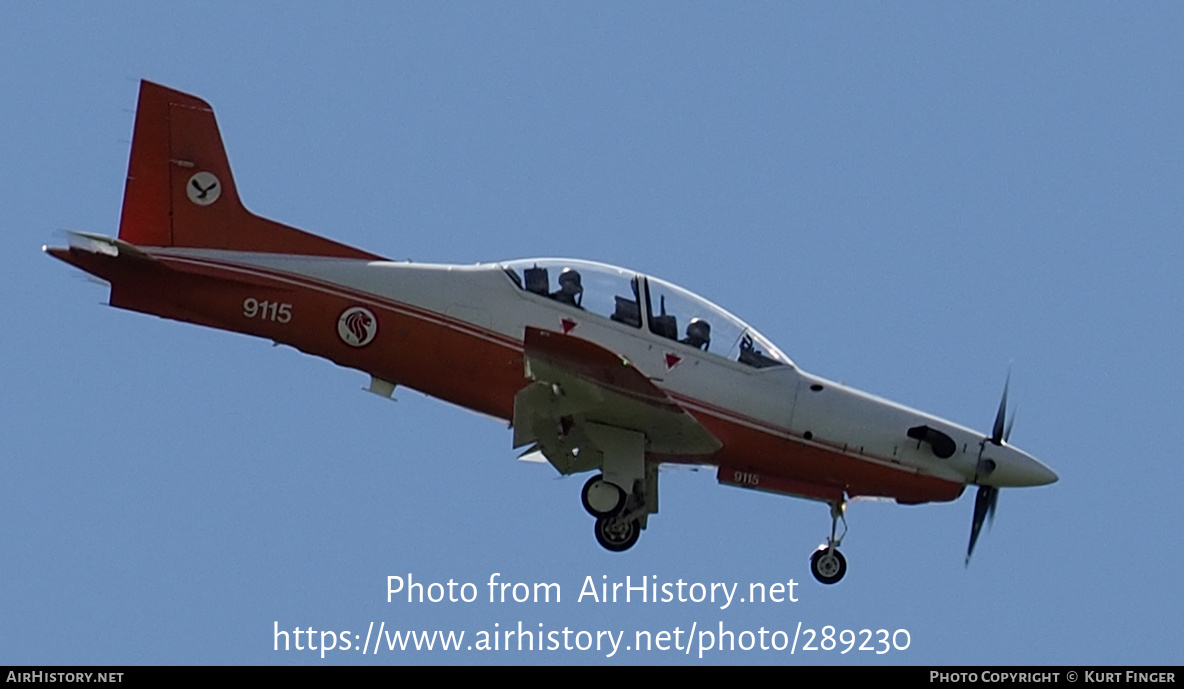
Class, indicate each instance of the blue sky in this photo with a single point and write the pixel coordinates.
(907, 198)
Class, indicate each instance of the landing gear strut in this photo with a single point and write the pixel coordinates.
(827, 564)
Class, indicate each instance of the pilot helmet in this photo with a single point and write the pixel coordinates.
(699, 330)
(569, 281)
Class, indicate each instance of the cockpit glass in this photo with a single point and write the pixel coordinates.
(677, 314)
(593, 287)
(669, 311)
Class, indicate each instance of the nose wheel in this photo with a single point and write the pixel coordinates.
(827, 564)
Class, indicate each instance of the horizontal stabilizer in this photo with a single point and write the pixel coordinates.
(108, 246)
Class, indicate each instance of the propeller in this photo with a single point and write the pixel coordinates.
(987, 498)
(984, 508)
(1000, 432)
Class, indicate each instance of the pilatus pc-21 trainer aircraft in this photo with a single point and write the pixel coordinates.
(600, 369)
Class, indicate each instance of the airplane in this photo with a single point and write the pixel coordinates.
(586, 361)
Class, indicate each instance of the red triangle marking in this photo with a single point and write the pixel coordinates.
(568, 325)
(672, 360)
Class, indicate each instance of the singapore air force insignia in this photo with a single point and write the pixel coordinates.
(357, 326)
(203, 188)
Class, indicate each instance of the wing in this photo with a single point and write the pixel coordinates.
(579, 387)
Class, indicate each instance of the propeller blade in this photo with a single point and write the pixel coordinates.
(984, 504)
(998, 432)
(987, 498)
(991, 508)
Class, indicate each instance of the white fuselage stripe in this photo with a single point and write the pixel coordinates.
(692, 404)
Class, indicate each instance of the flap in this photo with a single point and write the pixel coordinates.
(587, 383)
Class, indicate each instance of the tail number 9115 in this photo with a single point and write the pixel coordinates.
(267, 310)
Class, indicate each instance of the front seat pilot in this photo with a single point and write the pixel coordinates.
(698, 334)
(570, 290)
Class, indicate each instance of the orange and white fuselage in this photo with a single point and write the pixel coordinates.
(188, 250)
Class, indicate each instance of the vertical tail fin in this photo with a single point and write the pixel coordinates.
(180, 191)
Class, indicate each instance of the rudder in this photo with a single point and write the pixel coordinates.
(180, 191)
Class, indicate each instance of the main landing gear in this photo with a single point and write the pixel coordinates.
(618, 525)
(827, 564)
(617, 534)
(626, 493)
